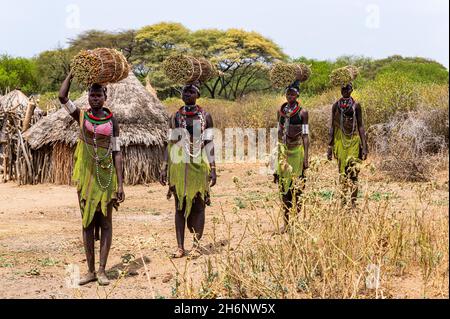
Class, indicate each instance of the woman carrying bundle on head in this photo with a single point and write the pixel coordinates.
(189, 164)
(347, 136)
(293, 144)
(97, 172)
(189, 167)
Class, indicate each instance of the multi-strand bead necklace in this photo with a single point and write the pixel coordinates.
(197, 143)
(95, 121)
(287, 112)
(344, 105)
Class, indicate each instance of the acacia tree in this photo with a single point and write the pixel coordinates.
(124, 41)
(154, 44)
(243, 59)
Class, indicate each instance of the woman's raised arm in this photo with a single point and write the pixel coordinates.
(64, 98)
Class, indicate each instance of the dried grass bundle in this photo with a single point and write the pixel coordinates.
(183, 69)
(284, 74)
(344, 76)
(102, 66)
(208, 70)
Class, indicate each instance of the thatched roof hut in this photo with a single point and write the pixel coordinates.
(14, 101)
(17, 113)
(143, 127)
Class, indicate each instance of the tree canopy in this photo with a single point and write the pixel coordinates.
(243, 59)
(18, 73)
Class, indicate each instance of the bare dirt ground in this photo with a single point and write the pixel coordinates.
(40, 236)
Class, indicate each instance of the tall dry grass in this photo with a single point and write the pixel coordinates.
(331, 251)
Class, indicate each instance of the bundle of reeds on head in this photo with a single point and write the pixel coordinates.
(101, 66)
(344, 76)
(184, 69)
(284, 74)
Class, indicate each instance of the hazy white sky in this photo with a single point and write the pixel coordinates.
(323, 29)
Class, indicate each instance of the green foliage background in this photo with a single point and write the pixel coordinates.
(243, 59)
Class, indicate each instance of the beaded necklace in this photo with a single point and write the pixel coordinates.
(184, 113)
(287, 112)
(95, 121)
(345, 104)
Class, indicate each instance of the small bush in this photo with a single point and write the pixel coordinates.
(406, 142)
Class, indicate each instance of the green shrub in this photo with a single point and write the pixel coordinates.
(18, 73)
(387, 95)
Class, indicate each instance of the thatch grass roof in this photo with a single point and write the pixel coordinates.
(14, 101)
(142, 118)
(17, 102)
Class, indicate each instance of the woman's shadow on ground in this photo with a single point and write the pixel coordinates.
(214, 248)
(128, 268)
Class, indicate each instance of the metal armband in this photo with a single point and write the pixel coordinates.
(115, 141)
(208, 135)
(69, 107)
(173, 135)
(305, 129)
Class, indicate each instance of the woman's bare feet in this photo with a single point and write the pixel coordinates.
(102, 279)
(180, 253)
(90, 277)
(195, 252)
(283, 230)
